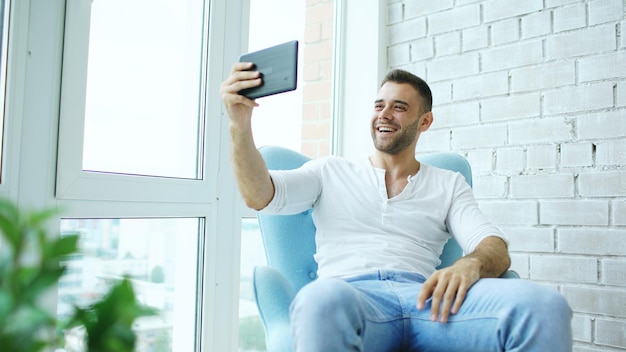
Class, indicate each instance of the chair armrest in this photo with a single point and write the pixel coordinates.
(510, 274)
(273, 295)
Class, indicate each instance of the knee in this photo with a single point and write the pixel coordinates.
(542, 302)
(323, 297)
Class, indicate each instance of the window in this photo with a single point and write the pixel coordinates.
(4, 48)
(141, 172)
(144, 88)
(160, 256)
(299, 120)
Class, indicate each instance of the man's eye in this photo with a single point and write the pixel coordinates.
(400, 107)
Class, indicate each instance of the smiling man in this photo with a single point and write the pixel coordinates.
(381, 224)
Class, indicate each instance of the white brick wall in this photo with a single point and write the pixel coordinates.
(533, 93)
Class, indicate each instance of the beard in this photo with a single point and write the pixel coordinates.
(404, 138)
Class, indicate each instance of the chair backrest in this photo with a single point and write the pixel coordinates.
(289, 240)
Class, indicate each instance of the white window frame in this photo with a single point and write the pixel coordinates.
(34, 179)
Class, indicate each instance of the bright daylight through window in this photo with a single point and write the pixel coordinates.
(4, 46)
(144, 87)
(160, 256)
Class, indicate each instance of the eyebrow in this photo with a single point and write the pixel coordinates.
(395, 101)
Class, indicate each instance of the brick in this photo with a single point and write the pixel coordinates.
(613, 272)
(602, 11)
(611, 333)
(529, 239)
(505, 31)
(434, 140)
(570, 17)
(454, 19)
(395, 13)
(576, 154)
(499, 9)
(512, 56)
(541, 157)
(421, 49)
(448, 43)
(534, 131)
(417, 68)
(592, 241)
(490, 187)
(620, 99)
(312, 32)
(542, 186)
(481, 86)
(562, 268)
(316, 90)
(406, 31)
(510, 161)
(623, 41)
(519, 264)
(479, 137)
(581, 328)
(415, 8)
(604, 125)
(314, 130)
(475, 38)
(398, 54)
(543, 76)
(511, 212)
(582, 98)
(442, 93)
(595, 300)
(318, 51)
(588, 41)
(481, 160)
(320, 13)
(536, 24)
(453, 67)
(457, 114)
(602, 67)
(574, 212)
(511, 107)
(602, 184)
(619, 212)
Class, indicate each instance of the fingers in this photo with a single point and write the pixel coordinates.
(241, 77)
(447, 292)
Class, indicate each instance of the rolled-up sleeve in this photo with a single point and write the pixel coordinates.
(295, 190)
(466, 222)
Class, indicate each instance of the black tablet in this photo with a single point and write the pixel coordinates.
(278, 66)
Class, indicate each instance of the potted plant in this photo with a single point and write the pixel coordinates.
(30, 268)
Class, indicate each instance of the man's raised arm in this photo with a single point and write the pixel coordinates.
(253, 178)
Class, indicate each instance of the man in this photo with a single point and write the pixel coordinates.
(381, 225)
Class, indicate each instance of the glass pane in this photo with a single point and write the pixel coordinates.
(4, 48)
(161, 258)
(251, 333)
(143, 103)
(273, 22)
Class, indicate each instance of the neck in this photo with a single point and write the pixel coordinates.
(399, 165)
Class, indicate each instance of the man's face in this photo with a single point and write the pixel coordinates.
(398, 119)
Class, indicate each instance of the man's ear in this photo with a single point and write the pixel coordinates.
(427, 120)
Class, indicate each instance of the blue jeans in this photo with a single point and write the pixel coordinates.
(377, 312)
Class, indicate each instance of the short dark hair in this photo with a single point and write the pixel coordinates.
(422, 88)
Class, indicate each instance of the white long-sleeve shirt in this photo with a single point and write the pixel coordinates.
(360, 229)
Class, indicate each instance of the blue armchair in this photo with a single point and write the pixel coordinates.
(289, 242)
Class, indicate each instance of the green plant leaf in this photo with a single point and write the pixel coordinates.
(63, 246)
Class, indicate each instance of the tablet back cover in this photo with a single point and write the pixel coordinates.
(279, 67)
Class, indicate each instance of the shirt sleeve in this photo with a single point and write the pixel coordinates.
(295, 190)
(466, 222)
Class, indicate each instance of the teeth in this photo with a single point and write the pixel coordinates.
(385, 129)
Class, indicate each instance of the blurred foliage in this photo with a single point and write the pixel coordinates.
(30, 268)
